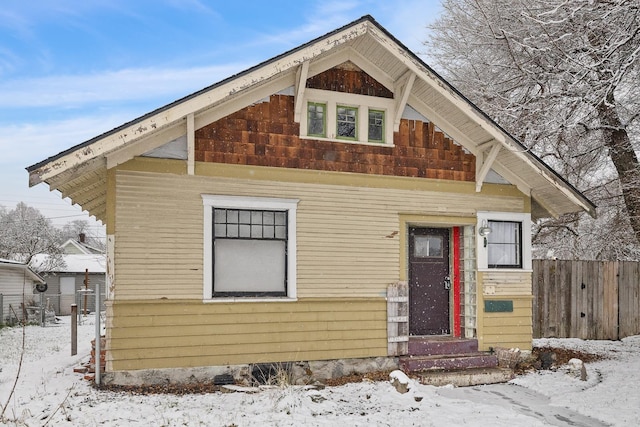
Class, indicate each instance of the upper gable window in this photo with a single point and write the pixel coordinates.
(376, 126)
(316, 119)
(347, 117)
(347, 122)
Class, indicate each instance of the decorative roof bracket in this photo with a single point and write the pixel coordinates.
(191, 144)
(481, 173)
(403, 88)
(301, 83)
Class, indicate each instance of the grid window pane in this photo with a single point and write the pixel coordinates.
(245, 217)
(281, 232)
(244, 230)
(347, 122)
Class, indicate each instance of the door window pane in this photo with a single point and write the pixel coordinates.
(427, 247)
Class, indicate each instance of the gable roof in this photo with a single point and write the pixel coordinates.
(72, 246)
(80, 172)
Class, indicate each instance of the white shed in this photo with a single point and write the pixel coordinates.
(17, 283)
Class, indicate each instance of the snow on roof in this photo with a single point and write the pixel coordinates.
(77, 263)
(19, 265)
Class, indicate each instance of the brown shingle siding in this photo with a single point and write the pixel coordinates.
(265, 135)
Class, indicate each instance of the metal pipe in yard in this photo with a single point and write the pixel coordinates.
(1, 310)
(74, 329)
(42, 316)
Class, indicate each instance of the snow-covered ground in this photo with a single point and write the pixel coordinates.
(48, 392)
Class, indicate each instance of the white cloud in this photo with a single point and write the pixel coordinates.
(27, 143)
(126, 85)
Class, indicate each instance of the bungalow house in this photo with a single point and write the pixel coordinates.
(17, 291)
(338, 202)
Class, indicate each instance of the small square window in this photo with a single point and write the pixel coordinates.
(376, 126)
(316, 119)
(347, 121)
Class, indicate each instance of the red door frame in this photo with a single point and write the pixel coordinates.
(456, 280)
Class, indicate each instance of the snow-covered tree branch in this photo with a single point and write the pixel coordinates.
(562, 76)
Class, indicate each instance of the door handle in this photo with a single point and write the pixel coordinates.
(447, 282)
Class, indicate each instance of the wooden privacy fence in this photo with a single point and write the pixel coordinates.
(586, 299)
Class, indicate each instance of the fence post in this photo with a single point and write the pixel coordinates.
(74, 329)
(97, 351)
(1, 310)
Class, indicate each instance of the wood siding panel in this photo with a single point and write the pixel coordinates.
(227, 333)
(346, 236)
(511, 330)
(507, 282)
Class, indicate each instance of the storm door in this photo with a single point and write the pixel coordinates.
(429, 281)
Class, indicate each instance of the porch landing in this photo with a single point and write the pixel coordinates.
(441, 360)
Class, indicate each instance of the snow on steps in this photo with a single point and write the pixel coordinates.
(447, 360)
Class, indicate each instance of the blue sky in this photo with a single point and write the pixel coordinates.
(71, 70)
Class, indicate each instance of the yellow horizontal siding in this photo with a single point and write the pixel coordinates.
(342, 229)
(164, 334)
(511, 329)
(507, 282)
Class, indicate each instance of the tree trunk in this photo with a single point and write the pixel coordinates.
(624, 159)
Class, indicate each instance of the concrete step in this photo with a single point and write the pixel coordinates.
(465, 378)
(448, 362)
(441, 345)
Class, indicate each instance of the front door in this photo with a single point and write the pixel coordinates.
(429, 281)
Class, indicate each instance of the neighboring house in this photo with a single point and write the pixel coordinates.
(66, 283)
(17, 289)
(283, 214)
(80, 246)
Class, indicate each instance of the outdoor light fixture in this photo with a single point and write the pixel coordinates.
(484, 231)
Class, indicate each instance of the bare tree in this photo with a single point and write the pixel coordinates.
(25, 233)
(74, 229)
(562, 76)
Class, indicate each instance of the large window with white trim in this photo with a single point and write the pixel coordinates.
(504, 240)
(249, 247)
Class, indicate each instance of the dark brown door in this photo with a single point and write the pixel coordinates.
(429, 281)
